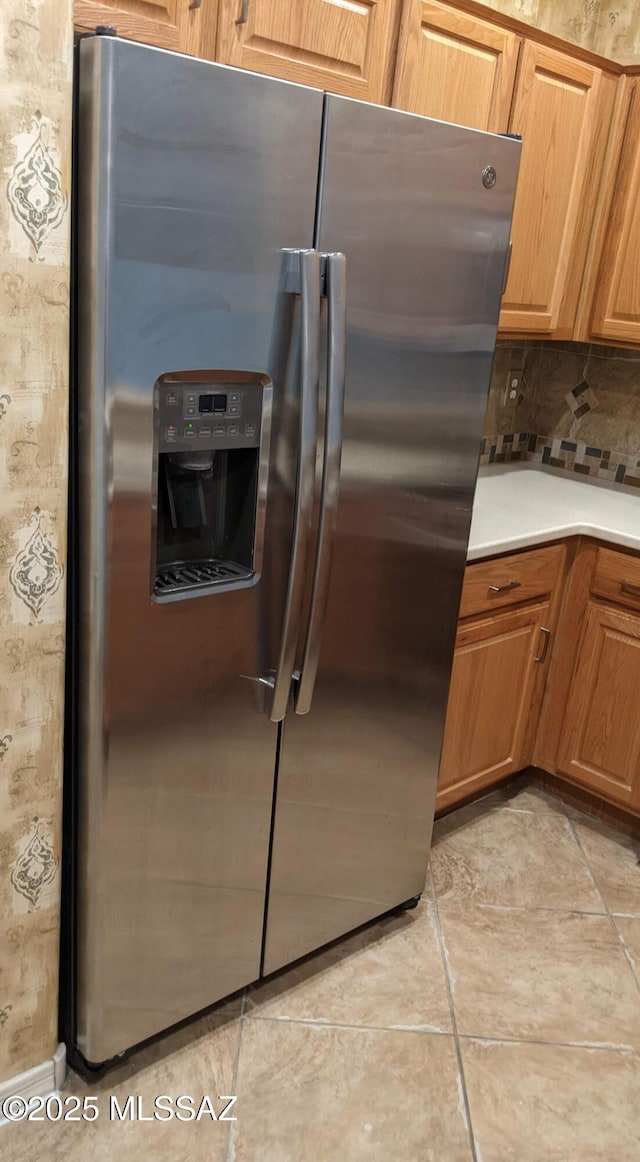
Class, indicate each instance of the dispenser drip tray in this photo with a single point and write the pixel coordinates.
(184, 576)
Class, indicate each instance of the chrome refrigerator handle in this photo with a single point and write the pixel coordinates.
(336, 283)
(309, 385)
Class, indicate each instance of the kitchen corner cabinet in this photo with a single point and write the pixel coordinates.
(496, 687)
(590, 728)
(616, 304)
(499, 669)
(600, 740)
(557, 112)
(546, 672)
(338, 45)
(171, 24)
(455, 67)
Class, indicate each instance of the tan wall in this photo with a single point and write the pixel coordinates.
(35, 108)
(602, 25)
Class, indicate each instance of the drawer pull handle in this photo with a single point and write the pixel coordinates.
(628, 587)
(546, 638)
(504, 588)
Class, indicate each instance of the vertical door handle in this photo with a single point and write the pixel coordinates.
(333, 426)
(546, 638)
(308, 436)
(244, 13)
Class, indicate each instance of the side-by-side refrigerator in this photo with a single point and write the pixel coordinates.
(286, 315)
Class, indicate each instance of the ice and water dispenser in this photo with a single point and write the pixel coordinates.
(210, 442)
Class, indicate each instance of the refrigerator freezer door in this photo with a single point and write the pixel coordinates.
(193, 180)
(425, 243)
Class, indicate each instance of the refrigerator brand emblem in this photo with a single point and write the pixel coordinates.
(489, 177)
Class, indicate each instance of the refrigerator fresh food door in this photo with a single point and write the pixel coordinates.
(195, 183)
(414, 207)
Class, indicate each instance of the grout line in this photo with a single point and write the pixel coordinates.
(321, 1023)
(592, 1046)
(229, 1153)
(522, 907)
(605, 905)
(454, 1024)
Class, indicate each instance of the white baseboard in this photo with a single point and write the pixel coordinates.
(39, 1081)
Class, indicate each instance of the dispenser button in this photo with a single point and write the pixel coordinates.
(170, 434)
(190, 410)
(171, 397)
(232, 430)
(189, 431)
(249, 429)
(219, 430)
(204, 430)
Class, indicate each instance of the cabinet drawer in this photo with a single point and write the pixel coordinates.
(617, 577)
(510, 580)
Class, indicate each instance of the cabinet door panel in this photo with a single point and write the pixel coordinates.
(600, 743)
(333, 44)
(556, 112)
(455, 67)
(171, 24)
(496, 685)
(616, 313)
(154, 22)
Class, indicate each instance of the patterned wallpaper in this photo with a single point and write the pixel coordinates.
(604, 26)
(35, 108)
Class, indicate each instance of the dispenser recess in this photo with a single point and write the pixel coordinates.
(210, 443)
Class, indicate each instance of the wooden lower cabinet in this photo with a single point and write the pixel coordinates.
(600, 738)
(494, 702)
(551, 680)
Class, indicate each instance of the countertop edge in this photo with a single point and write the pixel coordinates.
(499, 547)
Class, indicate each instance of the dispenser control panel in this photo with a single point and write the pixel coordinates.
(208, 415)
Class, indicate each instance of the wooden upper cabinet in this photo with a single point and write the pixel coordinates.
(340, 45)
(557, 113)
(163, 23)
(600, 740)
(455, 67)
(154, 22)
(616, 307)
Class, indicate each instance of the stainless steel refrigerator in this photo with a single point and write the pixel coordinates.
(286, 316)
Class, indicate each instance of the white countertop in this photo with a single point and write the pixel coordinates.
(517, 505)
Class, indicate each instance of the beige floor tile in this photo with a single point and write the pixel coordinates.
(549, 976)
(389, 974)
(518, 797)
(629, 929)
(197, 1061)
(615, 861)
(315, 1093)
(531, 1103)
(513, 858)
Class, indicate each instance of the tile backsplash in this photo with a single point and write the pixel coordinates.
(578, 408)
